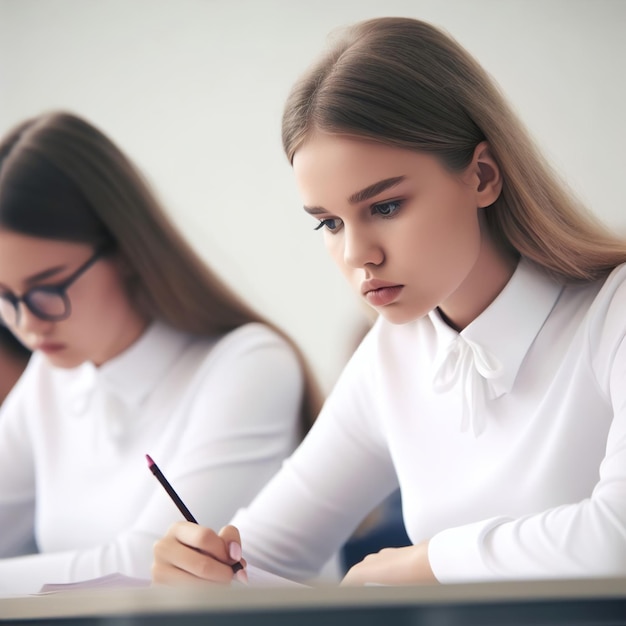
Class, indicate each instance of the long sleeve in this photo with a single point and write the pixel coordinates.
(538, 491)
(583, 537)
(241, 425)
(338, 474)
(219, 424)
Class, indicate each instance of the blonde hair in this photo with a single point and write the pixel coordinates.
(405, 83)
(62, 178)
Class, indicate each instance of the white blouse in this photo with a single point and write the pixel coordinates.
(218, 417)
(508, 441)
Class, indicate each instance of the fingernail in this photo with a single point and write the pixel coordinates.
(241, 576)
(234, 550)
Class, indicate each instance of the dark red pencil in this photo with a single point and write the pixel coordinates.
(154, 468)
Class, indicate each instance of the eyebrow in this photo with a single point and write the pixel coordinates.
(368, 192)
(35, 278)
(53, 271)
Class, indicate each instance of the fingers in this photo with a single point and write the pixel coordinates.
(191, 553)
(377, 568)
(230, 536)
(393, 566)
(232, 541)
(361, 573)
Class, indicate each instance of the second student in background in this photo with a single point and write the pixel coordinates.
(138, 349)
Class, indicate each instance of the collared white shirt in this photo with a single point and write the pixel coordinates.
(218, 417)
(508, 441)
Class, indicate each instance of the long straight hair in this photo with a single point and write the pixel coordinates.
(404, 83)
(62, 178)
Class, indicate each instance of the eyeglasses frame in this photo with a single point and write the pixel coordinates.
(58, 289)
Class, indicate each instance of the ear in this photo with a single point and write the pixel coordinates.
(485, 175)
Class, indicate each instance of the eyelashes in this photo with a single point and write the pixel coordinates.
(331, 224)
(384, 210)
(387, 209)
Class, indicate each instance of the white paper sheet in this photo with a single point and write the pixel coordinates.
(256, 578)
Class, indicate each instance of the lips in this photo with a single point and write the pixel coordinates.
(380, 293)
(48, 347)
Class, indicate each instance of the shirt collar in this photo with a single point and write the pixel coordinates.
(134, 373)
(486, 356)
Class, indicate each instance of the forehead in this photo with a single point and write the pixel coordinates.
(23, 255)
(331, 166)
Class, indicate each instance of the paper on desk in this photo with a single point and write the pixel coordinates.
(256, 578)
(110, 581)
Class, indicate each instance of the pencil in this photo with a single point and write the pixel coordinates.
(154, 468)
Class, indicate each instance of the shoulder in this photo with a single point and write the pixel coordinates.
(607, 313)
(41, 387)
(40, 373)
(251, 346)
(615, 282)
(384, 347)
(251, 337)
(602, 308)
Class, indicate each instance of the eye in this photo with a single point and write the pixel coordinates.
(387, 209)
(332, 224)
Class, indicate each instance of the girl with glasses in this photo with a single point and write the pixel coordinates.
(491, 389)
(139, 348)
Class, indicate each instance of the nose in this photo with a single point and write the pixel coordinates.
(360, 248)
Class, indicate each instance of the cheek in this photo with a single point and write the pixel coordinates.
(334, 246)
(440, 243)
(102, 303)
(466, 234)
(457, 230)
(459, 250)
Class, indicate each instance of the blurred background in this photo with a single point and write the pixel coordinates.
(193, 91)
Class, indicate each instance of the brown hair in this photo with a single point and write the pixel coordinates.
(405, 83)
(12, 346)
(61, 178)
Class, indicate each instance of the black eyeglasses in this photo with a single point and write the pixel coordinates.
(47, 302)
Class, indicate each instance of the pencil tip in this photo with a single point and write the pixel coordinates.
(150, 461)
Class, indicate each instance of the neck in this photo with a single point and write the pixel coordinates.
(487, 278)
(132, 329)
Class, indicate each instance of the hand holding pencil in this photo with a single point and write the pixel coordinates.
(210, 556)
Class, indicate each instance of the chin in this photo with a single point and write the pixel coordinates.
(399, 316)
(64, 361)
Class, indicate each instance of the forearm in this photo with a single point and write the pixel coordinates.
(582, 540)
(130, 555)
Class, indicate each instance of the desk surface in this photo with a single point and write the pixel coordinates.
(574, 602)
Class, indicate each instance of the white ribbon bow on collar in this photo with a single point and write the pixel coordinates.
(471, 367)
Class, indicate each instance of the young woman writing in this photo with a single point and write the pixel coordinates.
(138, 349)
(491, 388)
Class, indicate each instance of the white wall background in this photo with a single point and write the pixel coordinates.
(193, 91)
